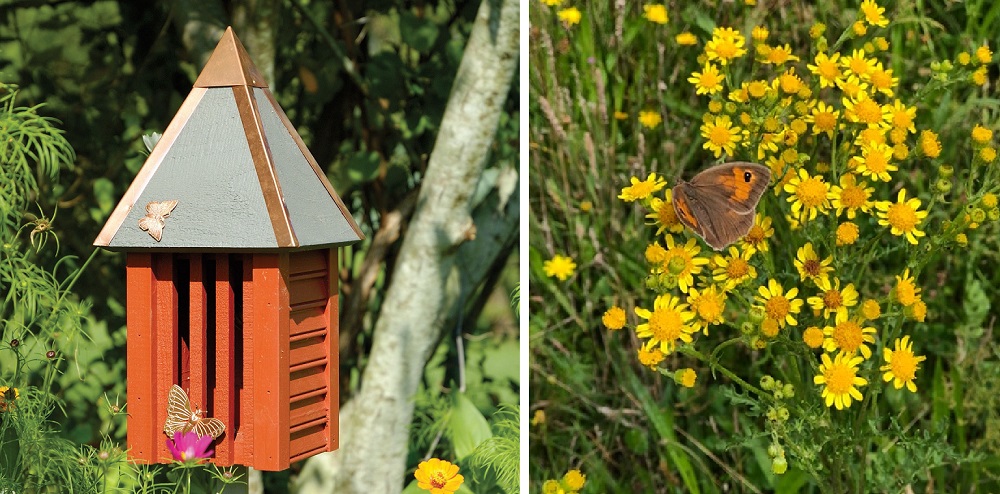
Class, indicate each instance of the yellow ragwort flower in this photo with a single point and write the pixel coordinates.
(916, 311)
(708, 81)
(849, 336)
(656, 13)
(851, 196)
(809, 195)
(852, 87)
(824, 119)
(666, 324)
(709, 306)
(984, 55)
(906, 291)
(721, 136)
(438, 476)
(863, 109)
(813, 337)
(876, 162)
(832, 299)
(810, 267)
(981, 135)
(664, 215)
(872, 14)
(552, 487)
(979, 76)
(649, 118)
(778, 304)
(870, 309)
(840, 380)
(683, 261)
(756, 239)
(686, 39)
(929, 144)
(759, 34)
(858, 64)
(735, 269)
(574, 480)
(847, 234)
(641, 189)
(560, 267)
(901, 365)
(650, 355)
(538, 418)
(779, 55)
(988, 154)
(614, 318)
(686, 377)
(726, 44)
(903, 216)
(552, 3)
(570, 16)
(883, 81)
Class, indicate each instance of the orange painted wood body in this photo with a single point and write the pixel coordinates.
(253, 340)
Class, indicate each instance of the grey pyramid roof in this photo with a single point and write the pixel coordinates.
(240, 173)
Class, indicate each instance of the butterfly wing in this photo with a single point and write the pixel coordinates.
(734, 186)
(178, 411)
(153, 225)
(717, 228)
(209, 427)
(162, 208)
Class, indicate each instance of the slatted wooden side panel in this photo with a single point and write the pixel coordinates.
(310, 358)
(165, 347)
(226, 358)
(141, 358)
(270, 362)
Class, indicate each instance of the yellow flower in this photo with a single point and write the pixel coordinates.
(883, 81)
(872, 14)
(917, 311)
(859, 28)
(641, 189)
(721, 135)
(824, 119)
(850, 196)
(686, 377)
(979, 76)
(683, 261)
(963, 58)
(870, 309)
(901, 116)
(560, 267)
(990, 200)
(649, 119)
(756, 239)
(655, 253)
(709, 305)
(858, 64)
(810, 267)
(876, 162)
(813, 337)
(438, 476)
(614, 318)
(864, 110)
(552, 3)
(650, 355)
(984, 55)
(726, 44)
(901, 365)
(552, 487)
(778, 304)
(831, 299)
(817, 30)
(808, 195)
(789, 82)
(987, 154)
(656, 12)
(848, 336)
(666, 324)
(981, 135)
(620, 115)
(570, 16)
(574, 480)
(735, 269)
(538, 418)
(852, 87)
(906, 292)
(781, 54)
(930, 144)
(664, 215)
(686, 38)
(759, 33)
(708, 81)
(902, 216)
(827, 68)
(847, 234)
(841, 380)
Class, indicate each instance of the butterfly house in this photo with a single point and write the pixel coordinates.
(231, 232)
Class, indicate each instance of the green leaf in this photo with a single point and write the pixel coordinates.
(417, 32)
(467, 427)
(363, 167)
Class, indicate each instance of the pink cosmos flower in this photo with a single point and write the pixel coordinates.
(189, 446)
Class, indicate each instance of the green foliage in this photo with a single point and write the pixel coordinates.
(628, 429)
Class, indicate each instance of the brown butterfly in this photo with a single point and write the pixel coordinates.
(156, 213)
(719, 203)
(181, 417)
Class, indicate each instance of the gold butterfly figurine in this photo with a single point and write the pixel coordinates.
(156, 213)
(181, 417)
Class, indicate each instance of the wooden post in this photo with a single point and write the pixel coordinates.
(270, 361)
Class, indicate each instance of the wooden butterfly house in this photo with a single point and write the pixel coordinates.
(231, 231)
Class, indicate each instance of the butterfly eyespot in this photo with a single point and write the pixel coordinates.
(747, 177)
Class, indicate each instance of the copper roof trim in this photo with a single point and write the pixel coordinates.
(230, 65)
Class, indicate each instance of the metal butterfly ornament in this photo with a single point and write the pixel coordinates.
(156, 214)
(182, 417)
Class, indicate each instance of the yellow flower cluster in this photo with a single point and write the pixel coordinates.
(839, 136)
(571, 483)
